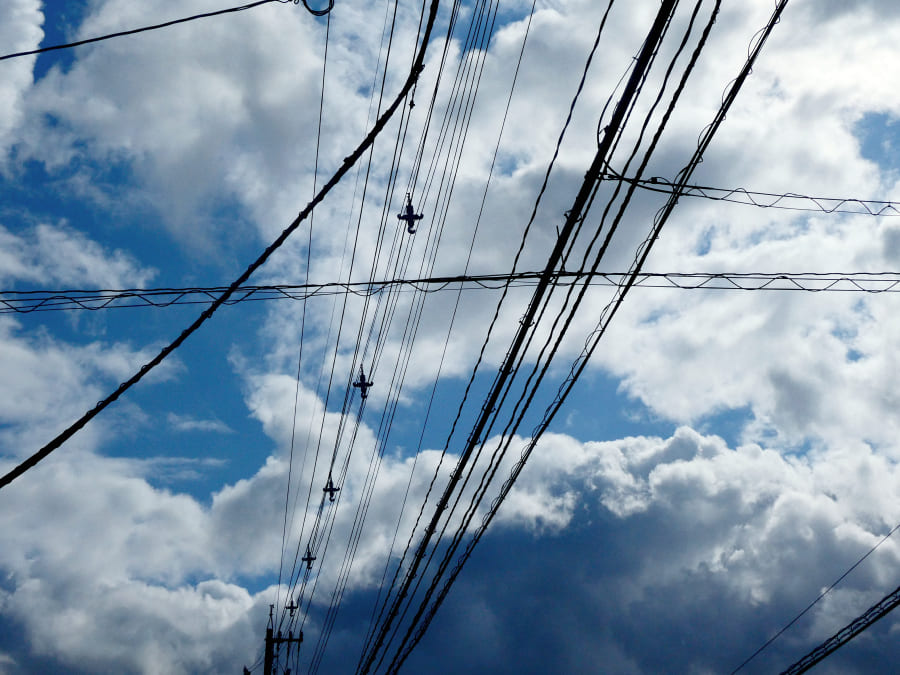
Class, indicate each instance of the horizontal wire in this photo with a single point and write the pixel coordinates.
(26, 302)
(788, 201)
(157, 26)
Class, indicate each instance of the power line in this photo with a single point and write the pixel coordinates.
(788, 201)
(382, 639)
(875, 613)
(347, 164)
(814, 602)
(165, 24)
(315, 541)
(525, 400)
(284, 532)
(27, 302)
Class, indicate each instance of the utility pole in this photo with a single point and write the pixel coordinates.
(273, 639)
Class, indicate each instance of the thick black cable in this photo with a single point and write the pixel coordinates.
(165, 24)
(501, 301)
(479, 493)
(861, 623)
(607, 315)
(347, 164)
(497, 455)
(517, 415)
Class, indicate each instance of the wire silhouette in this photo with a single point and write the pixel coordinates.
(814, 602)
(788, 201)
(27, 302)
(165, 24)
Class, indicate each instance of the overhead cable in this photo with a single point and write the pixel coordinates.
(27, 302)
(505, 371)
(387, 590)
(287, 510)
(864, 621)
(410, 328)
(821, 595)
(606, 316)
(166, 24)
(505, 287)
(424, 618)
(788, 201)
(315, 541)
(347, 164)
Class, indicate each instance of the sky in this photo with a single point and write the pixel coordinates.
(722, 459)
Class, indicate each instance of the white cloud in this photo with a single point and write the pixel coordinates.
(48, 382)
(20, 30)
(56, 254)
(188, 423)
(201, 116)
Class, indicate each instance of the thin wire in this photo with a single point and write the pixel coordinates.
(313, 544)
(287, 496)
(312, 538)
(849, 632)
(372, 620)
(515, 420)
(157, 26)
(813, 603)
(347, 164)
(156, 298)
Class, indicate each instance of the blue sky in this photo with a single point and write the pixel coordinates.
(724, 457)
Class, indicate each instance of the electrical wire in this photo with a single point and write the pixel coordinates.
(27, 302)
(399, 371)
(352, 441)
(166, 24)
(788, 201)
(515, 420)
(580, 363)
(287, 497)
(312, 543)
(861, 623)
(505, 371)
(388, 591)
